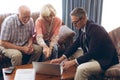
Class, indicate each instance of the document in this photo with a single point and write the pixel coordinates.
(25, 74)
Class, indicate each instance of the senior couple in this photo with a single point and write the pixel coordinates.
(17, 33)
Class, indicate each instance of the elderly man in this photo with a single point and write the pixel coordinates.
(99, 51)
(16, 37)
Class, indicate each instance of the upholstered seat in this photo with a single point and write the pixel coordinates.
(113, 73)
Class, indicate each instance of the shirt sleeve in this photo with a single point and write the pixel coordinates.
(39, 35)
(6, 29)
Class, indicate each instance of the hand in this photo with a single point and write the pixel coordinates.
(68, 64)
(46, 52)
(58, 60)
(25, 49)
(31, 49)
(50, 51)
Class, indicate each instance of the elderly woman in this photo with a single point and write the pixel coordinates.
(47, 28)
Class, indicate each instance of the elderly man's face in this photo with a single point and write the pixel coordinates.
(77, 22)
(24, 17)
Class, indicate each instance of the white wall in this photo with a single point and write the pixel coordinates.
(111, 14)
(35, 5)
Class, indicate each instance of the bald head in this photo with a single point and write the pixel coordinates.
(24, 14)
(24, 9)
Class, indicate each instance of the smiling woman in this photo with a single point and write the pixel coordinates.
(35, 6)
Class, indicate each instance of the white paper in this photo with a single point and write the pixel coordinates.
(25, 74)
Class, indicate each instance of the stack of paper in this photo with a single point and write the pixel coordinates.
(25, 74)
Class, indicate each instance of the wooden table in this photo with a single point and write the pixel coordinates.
(67, 75)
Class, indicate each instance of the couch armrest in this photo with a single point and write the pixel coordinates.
(113, 71)
(115, 37)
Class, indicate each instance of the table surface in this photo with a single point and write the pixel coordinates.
(67, 75)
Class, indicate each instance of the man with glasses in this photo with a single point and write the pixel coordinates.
(99, 52)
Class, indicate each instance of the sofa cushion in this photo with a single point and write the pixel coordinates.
(35, 15)
(65, 33)
(113, 71)
(65, 39)
(115, 37)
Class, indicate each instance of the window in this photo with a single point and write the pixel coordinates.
(11, 6)
(111, 14)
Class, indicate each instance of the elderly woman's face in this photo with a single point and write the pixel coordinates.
(49, 18)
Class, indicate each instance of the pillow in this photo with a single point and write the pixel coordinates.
(65, 33)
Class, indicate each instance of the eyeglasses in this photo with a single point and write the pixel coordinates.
(75, 22)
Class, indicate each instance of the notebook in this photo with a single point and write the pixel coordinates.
(47, 68)
(25, 74)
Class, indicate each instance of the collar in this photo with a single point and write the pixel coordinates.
(18, 21)
(83, 29)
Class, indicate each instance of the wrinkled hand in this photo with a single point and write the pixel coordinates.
(47, 52)
(27, 50)
(31, 49)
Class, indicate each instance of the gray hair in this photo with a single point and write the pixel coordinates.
(78, 12)
(47, 10)
(23, 8)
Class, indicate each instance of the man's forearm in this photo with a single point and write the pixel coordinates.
(30, 42)
(9, 45)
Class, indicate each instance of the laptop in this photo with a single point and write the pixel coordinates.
(47, 68)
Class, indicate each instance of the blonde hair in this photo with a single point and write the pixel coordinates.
(47, 10)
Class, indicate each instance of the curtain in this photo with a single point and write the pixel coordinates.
(93, 8)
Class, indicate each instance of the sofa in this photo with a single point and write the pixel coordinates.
(113, 73)
(66, 37)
